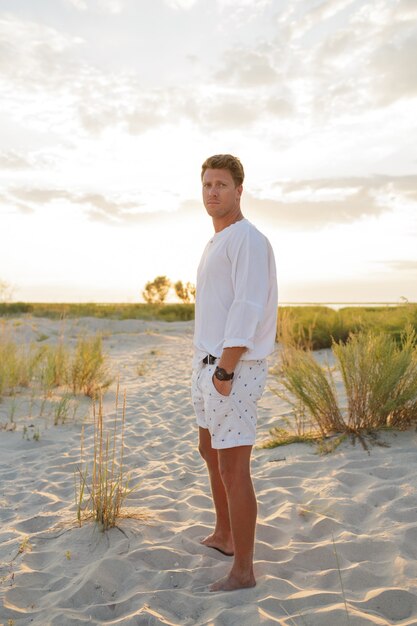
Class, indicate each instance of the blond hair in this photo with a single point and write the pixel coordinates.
(225, 162)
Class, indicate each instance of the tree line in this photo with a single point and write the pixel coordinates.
(156, 291)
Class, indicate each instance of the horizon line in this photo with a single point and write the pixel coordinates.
(284, 302)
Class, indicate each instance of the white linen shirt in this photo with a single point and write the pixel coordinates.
(237, 294)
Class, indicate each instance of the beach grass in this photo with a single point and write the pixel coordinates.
(87, 371)
(18, 365)
(380, 383)
(48, 370)
(53, 367)
(284, 437)
(101, 483)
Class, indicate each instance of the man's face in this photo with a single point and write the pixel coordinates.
(221, 197)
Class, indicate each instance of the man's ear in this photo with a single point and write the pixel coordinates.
(239, 190)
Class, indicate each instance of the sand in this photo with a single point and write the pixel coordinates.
(343, 521)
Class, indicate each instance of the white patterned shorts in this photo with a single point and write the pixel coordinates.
(231, 420)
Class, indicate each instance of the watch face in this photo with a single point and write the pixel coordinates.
(221, 374)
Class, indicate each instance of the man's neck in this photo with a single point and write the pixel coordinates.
(222, 223)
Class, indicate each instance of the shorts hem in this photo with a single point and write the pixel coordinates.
(222, 445)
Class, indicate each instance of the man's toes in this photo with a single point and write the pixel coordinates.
(218, 585)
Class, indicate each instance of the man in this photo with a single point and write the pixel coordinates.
(235, 328)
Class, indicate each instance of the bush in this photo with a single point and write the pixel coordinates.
(54, 367)
(83, 370)
(14, 308)
(87, 371)
(18, 365)
(140, 311)
(156, 291)
(318, 327)
(186, 293)
(379, 377)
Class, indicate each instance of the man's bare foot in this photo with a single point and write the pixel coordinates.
(232, 583)
(225, 546)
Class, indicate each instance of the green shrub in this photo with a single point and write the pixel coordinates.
(54, 366)
(141, 311)
(317, 327)
(87, 371)
(379, 377)
(83, 370)
(18, 364)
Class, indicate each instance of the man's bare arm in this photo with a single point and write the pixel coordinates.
(230, 358)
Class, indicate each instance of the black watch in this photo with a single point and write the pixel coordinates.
(221, 374)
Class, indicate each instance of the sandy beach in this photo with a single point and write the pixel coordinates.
(336, 537)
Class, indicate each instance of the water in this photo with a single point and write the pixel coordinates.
(341, 305)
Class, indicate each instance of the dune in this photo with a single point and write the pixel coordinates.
(336, 537)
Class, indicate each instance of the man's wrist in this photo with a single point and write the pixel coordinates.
(222, 374)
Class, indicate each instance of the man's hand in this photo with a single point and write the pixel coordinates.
(224, 387)
(228, 361)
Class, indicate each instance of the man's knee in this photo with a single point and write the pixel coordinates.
(234, 469)
(232, 476)
(205, 449)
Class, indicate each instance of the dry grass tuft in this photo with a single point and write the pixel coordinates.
(18, 364)
(283, 437)
(54, 366)
(48, 367)
(102, 485)
(314, 389)
(87, 372)
(380, 379)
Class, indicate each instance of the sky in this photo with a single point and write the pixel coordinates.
(109, 107)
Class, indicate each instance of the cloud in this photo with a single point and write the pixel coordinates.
(313, 204)
(181, 4)
(12, 160)
(108, 6)
(111, 6)
(303, 204)
(8, 207)
(80, 5)
(246, 68)
(401, 265)
(314, 213)
(138, 112)
(243, 11)
(35, 57)
(346, 70)
(395, 70)
(98, 205)
(396, 185)
(112, 210)
(303, 18)
(352, 57)
(280, 107)
(228, 4)
(232, 112)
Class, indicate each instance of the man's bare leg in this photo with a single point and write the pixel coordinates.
(221, 538)
(234, 465)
